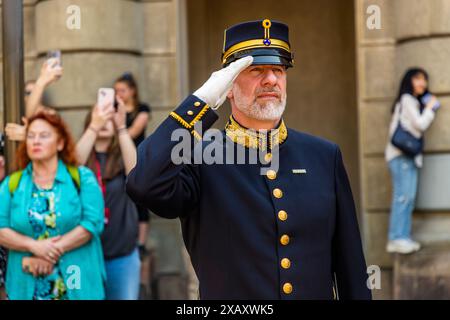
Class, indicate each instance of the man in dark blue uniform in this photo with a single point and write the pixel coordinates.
(281, 227)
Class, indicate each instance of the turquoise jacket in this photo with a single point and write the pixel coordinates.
(83, 268)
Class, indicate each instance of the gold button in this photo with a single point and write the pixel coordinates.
(277, 193)
(271, 174)
(287, 288)
(284, 240)
(268, 157)
(197, 104)
(285, 263)
(190, 113)
(282, 215)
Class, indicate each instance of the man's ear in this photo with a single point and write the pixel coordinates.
(230, 94)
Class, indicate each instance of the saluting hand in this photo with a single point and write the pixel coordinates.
(215, 90)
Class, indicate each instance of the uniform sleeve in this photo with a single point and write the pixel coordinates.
(5, 204)
(420, 121)
(92, 203)
(167, 188)
(349, 265)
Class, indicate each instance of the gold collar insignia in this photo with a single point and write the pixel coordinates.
(250, 138)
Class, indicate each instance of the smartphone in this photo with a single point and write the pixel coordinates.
(54, 55)
(105, 96)
(427, 97)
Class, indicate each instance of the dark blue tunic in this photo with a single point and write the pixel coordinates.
(245, 240)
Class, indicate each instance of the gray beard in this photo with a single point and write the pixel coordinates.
(271, 111)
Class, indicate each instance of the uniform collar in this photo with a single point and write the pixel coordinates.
(250, 138)
(61, 171)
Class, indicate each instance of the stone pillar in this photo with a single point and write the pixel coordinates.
(376, 91)
(413, 33)
(108, 43)
(29, 48)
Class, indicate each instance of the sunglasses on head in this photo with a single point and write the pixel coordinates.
(127, 76)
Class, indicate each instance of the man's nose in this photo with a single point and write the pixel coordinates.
(269, 78)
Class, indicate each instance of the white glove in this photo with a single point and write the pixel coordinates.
(215, 90)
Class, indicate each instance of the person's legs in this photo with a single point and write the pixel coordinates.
(412, 174)
(123, 277)
(404, 181)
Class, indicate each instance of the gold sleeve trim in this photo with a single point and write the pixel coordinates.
(196, 135)
(191, 124)
(200, 115)
(180, 120)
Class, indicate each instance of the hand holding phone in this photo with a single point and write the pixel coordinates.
(105, 97)
(51, 70)
(54, 59)
(427, 98)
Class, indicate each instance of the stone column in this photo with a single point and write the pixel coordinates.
(376, 91)
(29, 48)
(108, 43)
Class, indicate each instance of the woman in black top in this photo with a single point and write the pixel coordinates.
(137, 112)
(137, 118)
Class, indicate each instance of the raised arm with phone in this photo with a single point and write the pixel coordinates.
(103, 120)
(51, 71)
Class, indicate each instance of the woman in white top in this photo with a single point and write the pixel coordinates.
(415, 109)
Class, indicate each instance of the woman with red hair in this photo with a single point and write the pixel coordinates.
(51, 218)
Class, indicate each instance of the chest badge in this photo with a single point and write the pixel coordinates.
(299, 171)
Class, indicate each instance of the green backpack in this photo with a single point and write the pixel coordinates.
(16, 176)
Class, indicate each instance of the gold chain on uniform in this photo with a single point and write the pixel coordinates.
(254, 139)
